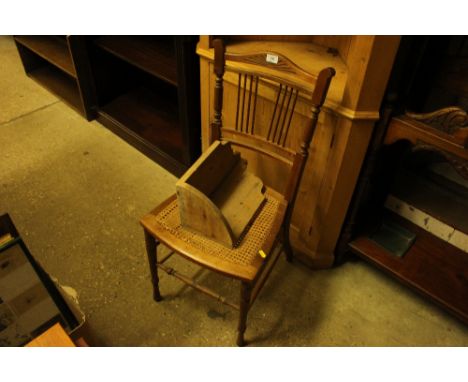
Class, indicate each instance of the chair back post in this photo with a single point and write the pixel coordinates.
(219, 63)
(318, 98)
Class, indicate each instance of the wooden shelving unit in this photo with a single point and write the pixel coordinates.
(146, 89)
(50, 62)
(147, 92)
(432, 267)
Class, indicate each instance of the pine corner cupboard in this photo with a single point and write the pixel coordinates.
(363, 65)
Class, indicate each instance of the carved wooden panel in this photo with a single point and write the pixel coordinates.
(451, 120)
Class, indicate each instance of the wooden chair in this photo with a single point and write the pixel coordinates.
(253, 258)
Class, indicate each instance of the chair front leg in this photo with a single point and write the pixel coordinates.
(151, 251)
(245, 293)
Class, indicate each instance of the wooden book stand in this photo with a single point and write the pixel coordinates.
(217, 197)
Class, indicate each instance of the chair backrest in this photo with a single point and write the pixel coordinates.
(287, 81)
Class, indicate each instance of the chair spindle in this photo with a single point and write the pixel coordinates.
(238, 101)
(285, 114)
(281, 109)
(254, 106)
(289, 119)
(248, 105)
(274, 111)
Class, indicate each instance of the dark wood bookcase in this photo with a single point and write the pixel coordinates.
(59, 63)
(429, 74)
(147, 91)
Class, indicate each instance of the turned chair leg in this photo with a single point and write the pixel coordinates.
(151, 251)
(244, 309)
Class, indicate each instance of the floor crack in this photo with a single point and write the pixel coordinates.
(29, 112)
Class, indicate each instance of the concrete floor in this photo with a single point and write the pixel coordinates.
(76, 192)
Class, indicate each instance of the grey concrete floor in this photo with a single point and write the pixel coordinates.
(76, 192)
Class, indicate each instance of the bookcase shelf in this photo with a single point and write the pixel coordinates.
(151, 116)
(432, 267)
(153, 54)
(53, 49)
